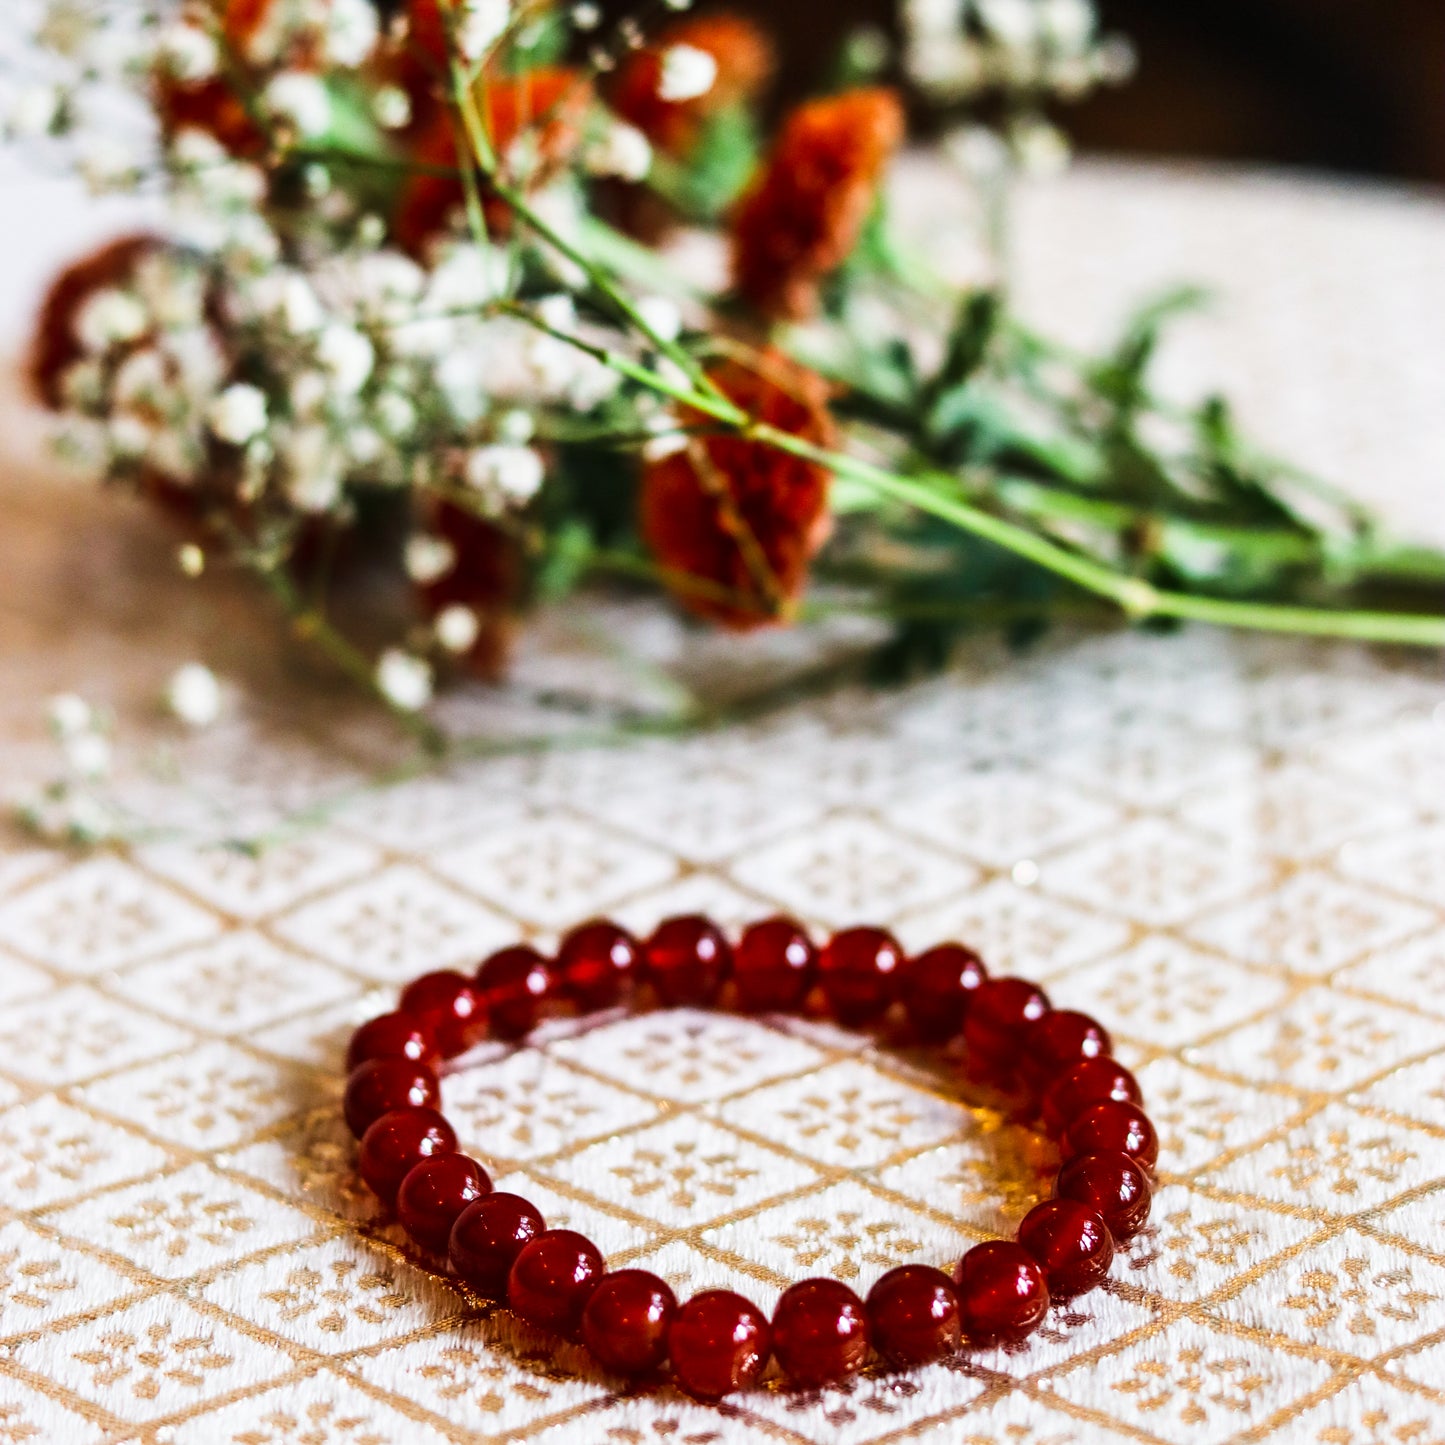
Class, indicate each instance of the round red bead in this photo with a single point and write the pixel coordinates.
(719, 1342)
(450, 1004)
(1058, 1041)
(487, 1238)
(1071, 1243)
(551, 1278)
(913, 1315)
(381, 1085)
(1002, 1294)
(999, 1015)
(1089, 1082)
(515, 983)
(936, 989)
(820, 1333)
(394, 1036)
(773, 966)
(597, 965)
(626, 1320)
(434, 1194)
(858, 970)
(688, 961)
(396, 1143)
(1112, 1124)
(1111, 1183)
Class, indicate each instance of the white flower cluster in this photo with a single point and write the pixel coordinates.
(72, 807)
(958, 50)
(149, 368)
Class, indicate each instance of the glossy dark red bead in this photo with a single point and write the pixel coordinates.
(1058, 1041)
(858, 971)
(626, 1320)
(487, 1238)
(597, 965)
(820, 1333)
(913, 1315)
(515, 984)
(774, 966)
(936, 989)
(688, 961)
(434, 1194)
(1090, 1081)
(999, 1016)
(394, 1036)
(1112, 1184)
(1112, 1124)
(1071, 1243)
(450, 1004)
(381, 1085)
(719, 1342)
(396, 1143)
(552, 1277)
(1002, 1293)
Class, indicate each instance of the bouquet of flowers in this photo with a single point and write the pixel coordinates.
(518, 301)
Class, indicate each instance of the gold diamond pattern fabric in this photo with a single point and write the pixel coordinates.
(1232, 849)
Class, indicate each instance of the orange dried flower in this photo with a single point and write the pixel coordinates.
(803, 216)
(212, 106)
(745, 64)
(486, 577)
(739, 518)
(547, 103)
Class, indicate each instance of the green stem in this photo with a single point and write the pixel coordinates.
(311, 626)
(1138, 599)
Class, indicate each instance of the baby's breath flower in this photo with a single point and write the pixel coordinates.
(34, 111)
(482, 23)
(88, 755)
(1067, 25)
(347, 355)
(314, 465)
(457, 628)
(307, 393)
(404, 680)
(512, 475)
(687, 74)
(621, 150)
(396, 414)
(516, 427)
(429, 558)
(194, 695)
(351, 32)
(238, 414)
(301, 99)
(391, 106)
(109, 318)
(663, 316)
(69, 715)
(1041, 149)
(187, 52)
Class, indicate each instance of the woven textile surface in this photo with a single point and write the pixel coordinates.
(1231, 849)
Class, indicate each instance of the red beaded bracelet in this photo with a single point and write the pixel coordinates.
(821, 1332)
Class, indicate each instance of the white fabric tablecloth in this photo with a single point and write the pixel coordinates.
(1233, 849)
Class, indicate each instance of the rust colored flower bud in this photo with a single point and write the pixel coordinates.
(545, 107)
(736, 522)
(803, 216)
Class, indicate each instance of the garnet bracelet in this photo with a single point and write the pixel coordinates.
(1053, 1064)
